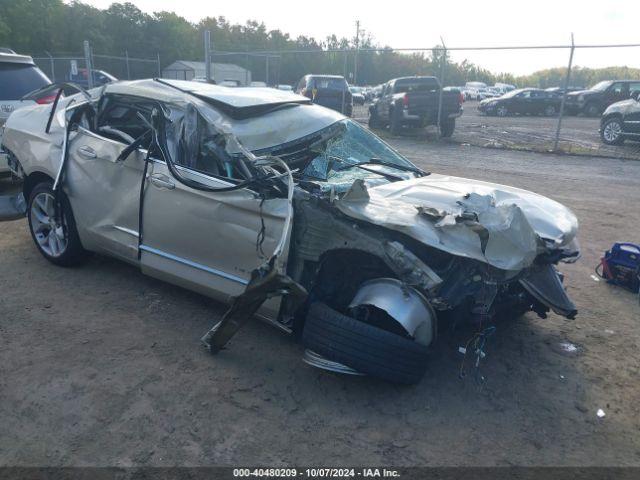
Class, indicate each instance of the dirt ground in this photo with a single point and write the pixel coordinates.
(100, 365)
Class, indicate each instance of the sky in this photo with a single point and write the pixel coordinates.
(412, 24)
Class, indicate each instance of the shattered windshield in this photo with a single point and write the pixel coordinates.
(347, 144)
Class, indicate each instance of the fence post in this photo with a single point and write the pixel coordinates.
(443, 61)
(159, 69)
(53, 68)
(564, 96)
(126, 57)
(346, 53)
(207, 55)
(88, 64)
(355, 58)
(266, 77)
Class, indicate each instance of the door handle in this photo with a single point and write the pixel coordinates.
(162, 181)
(87, 152)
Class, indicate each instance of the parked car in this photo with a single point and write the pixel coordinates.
(19, 76)
(331, 91)
(100, 77)
(594, 101)
(561, 90)
(286, 88)
(357, 95)
(621, 121)
(217, 189)
(524, 101)
(414, 101)
(258, 84)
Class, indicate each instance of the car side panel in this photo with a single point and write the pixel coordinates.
(207, 241)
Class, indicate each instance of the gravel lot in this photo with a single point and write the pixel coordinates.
(100, 365)
(579, 135)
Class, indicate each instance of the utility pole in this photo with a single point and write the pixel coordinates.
(88, 63)
(207, 55)
(355, 61)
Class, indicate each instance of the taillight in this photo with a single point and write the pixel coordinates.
(46, 99)
(405, 100)
(460, 98)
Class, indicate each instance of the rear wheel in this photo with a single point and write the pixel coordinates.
(591, 110)
(550, 110)
(611, 132)
(447, 127)
(363, 347)
(54, 233)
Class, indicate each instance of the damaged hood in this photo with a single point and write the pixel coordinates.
(503, 226)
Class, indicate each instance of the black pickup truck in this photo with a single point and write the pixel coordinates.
(414, 101)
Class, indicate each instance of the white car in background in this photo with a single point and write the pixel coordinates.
(19, 76)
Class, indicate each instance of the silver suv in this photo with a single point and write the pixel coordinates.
(19, 76)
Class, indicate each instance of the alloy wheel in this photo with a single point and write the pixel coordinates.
(50, 232)
(612, 131)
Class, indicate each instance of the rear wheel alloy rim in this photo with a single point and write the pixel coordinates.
(502, 111)
(551, 111)
(612, 131)
(50, 233)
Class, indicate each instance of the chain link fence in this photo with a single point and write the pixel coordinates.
(62, 67)
(566, 128)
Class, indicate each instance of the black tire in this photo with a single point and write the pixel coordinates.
(502, 111)
(395, 124)
(447, 127)
(609, 129)
(73, 253)
(363, 347)
(550, 111)
(374, 120)
(591, 109)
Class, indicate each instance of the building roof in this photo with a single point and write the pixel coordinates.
(200, 66)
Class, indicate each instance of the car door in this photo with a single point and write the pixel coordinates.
(632, 114)
(209, 242)
(520, 103)
(616, 92)
(385, 102)
(103, 191)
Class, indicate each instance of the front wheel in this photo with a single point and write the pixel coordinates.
(395, 125)
(502, 111)
(53, 227)
(374, 121)
(363, 347)
(447, 127)
(611, 132)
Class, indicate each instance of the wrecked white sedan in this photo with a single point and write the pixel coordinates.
(287, 211)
